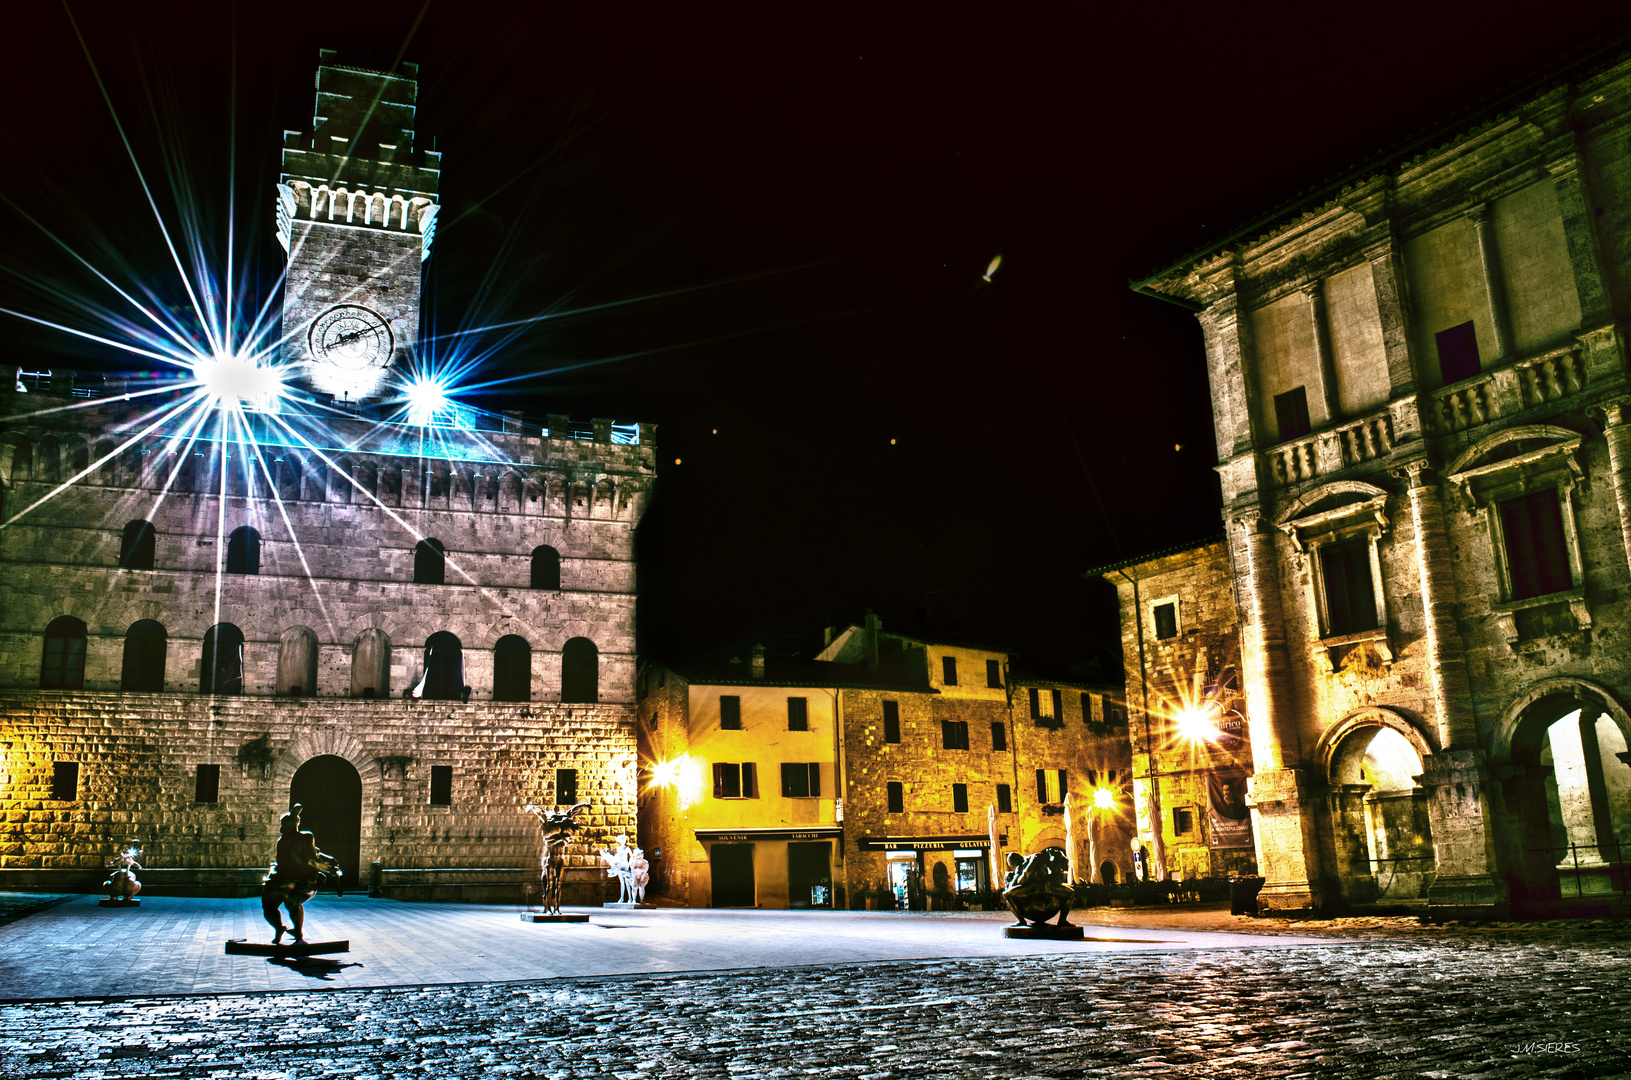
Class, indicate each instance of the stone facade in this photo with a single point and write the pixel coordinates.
(1191, 758)
(912, 753)
(1421, 400)
(201, 598)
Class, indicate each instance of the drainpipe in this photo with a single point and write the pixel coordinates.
(1156, 823)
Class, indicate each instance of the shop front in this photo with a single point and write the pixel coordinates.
(934, 873)
(770, 868)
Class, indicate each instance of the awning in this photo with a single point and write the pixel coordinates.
(820, 832)
(926, 843)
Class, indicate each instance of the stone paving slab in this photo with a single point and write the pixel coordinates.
(176, 945)
(1461, 1006)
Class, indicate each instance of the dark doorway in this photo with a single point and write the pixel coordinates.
(732, 868)
(330, 791)
(580, 672)
(809, 875)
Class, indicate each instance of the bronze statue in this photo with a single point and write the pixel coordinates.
(1038, 885)
(122, 885)
(293, 877)
(557, 826)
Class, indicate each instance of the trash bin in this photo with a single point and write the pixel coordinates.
(1243, 895)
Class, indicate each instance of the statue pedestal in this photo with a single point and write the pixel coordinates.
(1049, 932)
(626, 907)
(538, 917)
(120, 901)
(309, 948)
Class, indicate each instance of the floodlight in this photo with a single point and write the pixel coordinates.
(233, 380)
(1104, 799)
(426, 397)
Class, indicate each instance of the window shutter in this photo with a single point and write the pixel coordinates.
(1041, 785)
(798, 714)
(719, 780)
(1059, 705)
(815, 779)
(750, 780)
(787, 779)
(1064, 784)
(1087, 708)
(1036, 704)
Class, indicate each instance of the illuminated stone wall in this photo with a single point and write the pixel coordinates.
(138, 756)
(1503, 245)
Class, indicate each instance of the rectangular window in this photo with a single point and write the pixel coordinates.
(801, 780)
(1166, 621)
(948, 670)
(891, 721)
(566, 787)
(798, 714)
(959, 798)
(993, 673)
(441, 785)
(1537, 553)
(1183, 821)
(954, 734)
(1045, 707)
(1291, 414)
(1005, 799)
(1457, 353)
(1350, 595)
(65, 781)
(207, 784)
(1087, 708)
(730, 712)
(999, 737)
(735, 781)
(897, 797)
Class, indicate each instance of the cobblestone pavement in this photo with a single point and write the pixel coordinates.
(1498, 1002)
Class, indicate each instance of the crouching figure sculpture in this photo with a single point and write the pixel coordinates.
(557, 825)
(294, 877)
(1038, 885)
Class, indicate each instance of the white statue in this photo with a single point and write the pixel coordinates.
(619, 863)
(639, 874)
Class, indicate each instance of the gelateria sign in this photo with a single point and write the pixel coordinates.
(927, 843)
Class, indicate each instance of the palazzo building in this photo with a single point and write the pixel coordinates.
(887, 772)
(1423, 417)
(412, 624)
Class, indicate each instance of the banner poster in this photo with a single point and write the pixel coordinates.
(1231, 820)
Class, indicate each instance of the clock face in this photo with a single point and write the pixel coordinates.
(352, 337)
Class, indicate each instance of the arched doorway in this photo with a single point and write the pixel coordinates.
(1569, 793)
(330, 792)
(1383, 838)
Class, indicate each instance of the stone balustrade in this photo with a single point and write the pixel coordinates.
(1538, 380)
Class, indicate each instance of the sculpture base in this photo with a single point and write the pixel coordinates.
(626, 907)
(538, 917)
(1049, 932)
(307, 948)
(119, 901)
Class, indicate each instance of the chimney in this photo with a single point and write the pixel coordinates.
(758, 661)
(873, 626)
(827, 634)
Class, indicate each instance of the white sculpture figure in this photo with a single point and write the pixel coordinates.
(639, 874)
(620, 864)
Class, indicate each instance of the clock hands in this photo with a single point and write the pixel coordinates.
(346, 339)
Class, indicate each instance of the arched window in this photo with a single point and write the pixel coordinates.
(244, 551)
(145, 646)
(297, 662)
(580, 672)
(63, 665)
(22, 460)
(371, 665)
(512, 669)
(429, 563)
(48, 460)
(288, 477)
(136, 546)
(444, 668)
(546, 567)
(222, 670)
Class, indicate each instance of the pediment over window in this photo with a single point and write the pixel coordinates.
(1343, 506)
(1516, 460)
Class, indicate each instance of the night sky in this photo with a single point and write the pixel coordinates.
(802, 206)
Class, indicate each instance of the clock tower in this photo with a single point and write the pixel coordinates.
(356, 213)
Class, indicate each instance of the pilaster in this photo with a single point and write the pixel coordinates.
(1315, 292)
(1617, 433)
(1466, 882)
(1446, 655)
(1226, 353)
(1264, 663)
(1579, 232)
(1393, 308)
(1284, 812)
(1494, 286)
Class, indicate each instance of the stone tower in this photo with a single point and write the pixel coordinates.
(356, 212)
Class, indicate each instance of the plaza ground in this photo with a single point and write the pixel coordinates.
(471, 990)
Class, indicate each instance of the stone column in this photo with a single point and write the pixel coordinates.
(1446, 655)
(1226, 351)
(1585, 256)
(1617, 433)
(1494, 286)
(1285, 805)
(1393, 308)
(1315, 291)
